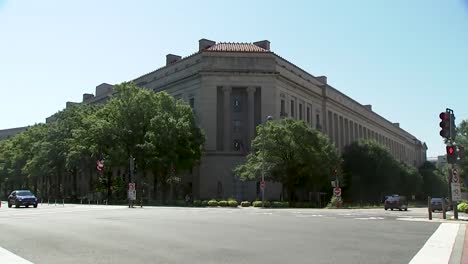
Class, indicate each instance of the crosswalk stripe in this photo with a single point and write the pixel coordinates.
(439, 246)
(6, 257)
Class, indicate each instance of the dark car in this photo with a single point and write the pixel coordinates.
(396, 202)
(436, 204)
(22, 198)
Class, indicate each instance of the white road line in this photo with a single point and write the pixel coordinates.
(6, 257)
(306, 215)
(439, 246)
(370, 218)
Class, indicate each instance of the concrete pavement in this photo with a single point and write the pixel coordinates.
(116, 234)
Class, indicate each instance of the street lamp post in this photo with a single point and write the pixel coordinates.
(263, 165)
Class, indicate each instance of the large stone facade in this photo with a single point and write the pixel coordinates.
(233, 87)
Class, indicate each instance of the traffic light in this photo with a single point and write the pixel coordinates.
(444, 125)
(453, 132)
(451, 154)
(447, 125)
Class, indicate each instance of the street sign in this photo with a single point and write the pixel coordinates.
(456, 191)
(333, 183)
(337, 191)
(131, 191)
(262, 184)
(455, 178)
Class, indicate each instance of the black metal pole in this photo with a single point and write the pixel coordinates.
(429, 209)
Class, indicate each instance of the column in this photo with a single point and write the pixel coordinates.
(227, 118)
(251, 114)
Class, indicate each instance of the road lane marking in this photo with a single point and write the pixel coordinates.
(369, 218)
(438, 247)
(6, 257)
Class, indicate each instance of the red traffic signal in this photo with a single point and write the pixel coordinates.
(450, 150)
(444, 115)
(452, 154)
(444, 125)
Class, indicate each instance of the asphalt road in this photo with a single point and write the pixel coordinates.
(115, 234)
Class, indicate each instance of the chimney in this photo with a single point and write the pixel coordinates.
(171, 58)
(104, 88)
(203, 44)
(396, 124)
(87, 97)
(322, 79)
(265, 44)
(368, 107)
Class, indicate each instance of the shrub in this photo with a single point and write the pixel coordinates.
(280, 204)
(204, 203)
(233, 203)
(334, 203)
(257, 204)
(463, 207)
(245, 204)
(213, 203)
(197, 203)
(223, 203)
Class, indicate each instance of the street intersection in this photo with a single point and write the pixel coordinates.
(118, 234)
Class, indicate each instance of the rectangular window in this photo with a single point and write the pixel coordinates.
(283, 108)
(237, 104)
(300, 111)
(317, 119)
(192, 102)
(308, 115)
(236, 126)
(292, 108)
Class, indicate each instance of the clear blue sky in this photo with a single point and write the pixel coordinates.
(409, 59)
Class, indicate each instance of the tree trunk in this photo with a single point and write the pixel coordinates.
(75, 184)
(109, 185)
(155, 185)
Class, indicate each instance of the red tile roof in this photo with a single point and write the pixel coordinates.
(236, 47)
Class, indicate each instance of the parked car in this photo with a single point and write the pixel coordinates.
(436, 204)
(22, 198)
(396, 202)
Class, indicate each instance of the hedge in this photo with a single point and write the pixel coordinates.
(233, 203)
(245, 204)
(260, 204)
(197, 203)
(223, 203)
(213, 203)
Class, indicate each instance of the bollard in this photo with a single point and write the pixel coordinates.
(89, 202)
(444, 214)
(429, 207)
(81, 201)
(63, 202)
(97, 202)
(106, 202)
(48, 201)
(55, 202)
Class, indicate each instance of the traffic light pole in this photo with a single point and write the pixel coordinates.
(448, 132)
(453, 203)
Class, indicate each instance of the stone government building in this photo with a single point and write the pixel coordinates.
(233, 87)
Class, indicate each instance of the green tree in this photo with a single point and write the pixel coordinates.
(371, 172)
(434, 180)
(462, 139)
(290, 153)
(173, 139)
